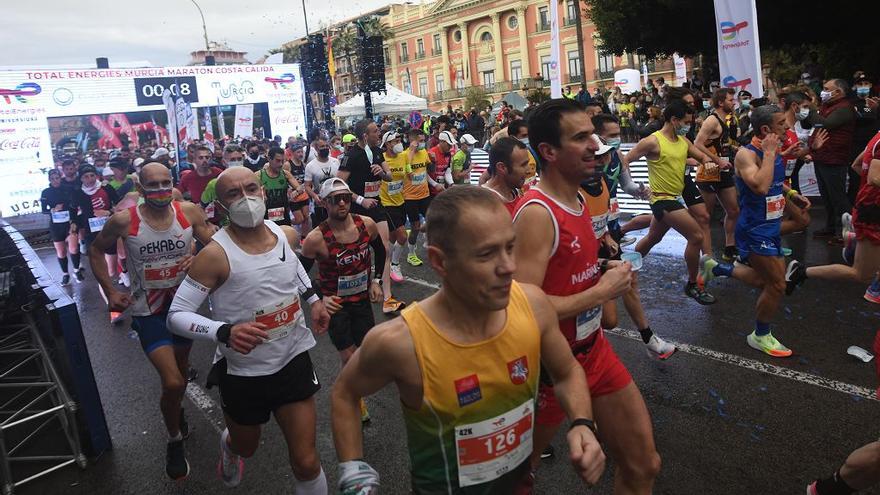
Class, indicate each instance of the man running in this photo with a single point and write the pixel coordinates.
(254, 281)
(667, 151)
(277, 184)
(465, 362)
(341, 244)
(193, 182)
(440, 172)
(321, 168)
(57, 204)
(556, 248)
(508, 166)
(158, 237)
(716, 183)
(461, 160)
(391, 198)
(364, 168)
(416, 195)
(760, 181)
(232, 157)
(299, 205)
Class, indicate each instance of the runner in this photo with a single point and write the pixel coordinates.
(477, 342)
(391, 197)
(158, 236)
(717, 133)
(461, 160)
(341, 244)
(193, 182)
(667, 151)
(323, 167)
(598, 203)
(299, 205)
(124, 185)
(416, 195)
(263, 367)
(508, 166)
(277, 184)
(363, 168)
(440, 172)
(760, 181)
(556, 247)
(233, 156)
(57, 204)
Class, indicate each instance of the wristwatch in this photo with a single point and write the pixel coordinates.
(378, 281)
(589, 423)
(223, 333)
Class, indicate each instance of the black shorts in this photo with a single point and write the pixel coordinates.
(350, 325)
(416, 207)
(250, 400)
(59, 231)
(691, 193)
(725, 182)
(377, 213)
(396, 217)
(661, 206)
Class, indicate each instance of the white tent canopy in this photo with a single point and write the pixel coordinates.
(394, 101)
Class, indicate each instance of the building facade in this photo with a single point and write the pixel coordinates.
(223, 55)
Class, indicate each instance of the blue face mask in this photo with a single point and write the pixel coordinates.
(863, 91)
(683, 130)
(614, 142)
(706, 104)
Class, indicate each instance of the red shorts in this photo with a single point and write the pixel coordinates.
(867, 232)
(605, 375)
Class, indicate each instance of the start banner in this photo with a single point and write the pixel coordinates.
(739, 53)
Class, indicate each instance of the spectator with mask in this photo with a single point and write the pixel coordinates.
(583, 95)
(837, 115)
(867, 124)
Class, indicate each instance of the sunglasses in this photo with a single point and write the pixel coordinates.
(344, 198)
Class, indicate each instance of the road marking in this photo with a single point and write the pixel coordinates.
(750, 364)
(770, 369)
(203, 402)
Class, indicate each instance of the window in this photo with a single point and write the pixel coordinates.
(489, 78)
(486, 37)
(606, 63)
(387, 56)
(570, 11)
(512, 23)
(420, 47)
(516, 70)
(545, 67)
(456, 36)
(574, 64)
(459, 79)
(438, 83)
(436, 43)
(404, 52)
(407, 85)
(423, 86)
(543, 18)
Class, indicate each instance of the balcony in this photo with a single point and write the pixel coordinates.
(420, 55)
(404, 59)
(604, 74)
(576, 79)
(436, 51)
(498, 87)
(542, 26)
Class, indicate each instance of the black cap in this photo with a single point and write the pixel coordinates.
(86, 169)
(118, 163)
(861, 78)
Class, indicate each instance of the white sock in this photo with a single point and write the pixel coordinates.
(396, 251)
(412, 247)
(420, 239)
(317, 486)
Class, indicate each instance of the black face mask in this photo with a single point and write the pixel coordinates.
(324, 152)
(254, 155)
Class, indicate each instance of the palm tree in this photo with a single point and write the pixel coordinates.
(345, 43)
(291, 55)
(375, 27)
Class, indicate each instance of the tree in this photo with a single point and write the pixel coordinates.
(476, 97)
(290, 55)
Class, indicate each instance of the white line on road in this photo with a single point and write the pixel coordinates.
(770, 369)
(204, 402)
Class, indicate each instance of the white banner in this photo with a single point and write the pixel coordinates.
(739, 53)
(171, 115)
(244, 121)
(680, 69)
(628, 81)
(555, 73)
(25, 158)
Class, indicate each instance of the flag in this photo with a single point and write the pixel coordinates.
(331, 64)
(409, 80)
(221, 124)
(555, 73)
(739, 51)
(156, 130)
(209, 129)
(453, 75)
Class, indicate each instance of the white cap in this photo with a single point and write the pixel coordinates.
(389, 136)
(447, 138)
(468, 139)
(108, 172)
(138, 162)
(333, 185)
(603, 148)
(160, 152)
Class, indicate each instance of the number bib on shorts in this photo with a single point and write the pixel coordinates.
(419, 178)
(489, 449)
(371, 189)
(588, 322)
(276, 214)
(96, 224)
(613, 209)
(775, 206)
(60, 216)
(349, 285)
(280, 319)
(162, 275)
(395, 187)
(706, 176)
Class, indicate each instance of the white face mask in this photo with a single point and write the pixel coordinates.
(803, 113)
(397, 149)
(247, 212)
(825, 95)
(235, 163)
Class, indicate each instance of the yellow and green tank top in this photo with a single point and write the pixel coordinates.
(415, 184)
(473, 431)
(666, 174)
(391, 192)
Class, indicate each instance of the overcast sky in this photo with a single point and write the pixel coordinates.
(52, 32)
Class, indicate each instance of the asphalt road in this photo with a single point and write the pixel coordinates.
(727, 419)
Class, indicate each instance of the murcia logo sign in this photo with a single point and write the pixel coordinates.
(238, 91)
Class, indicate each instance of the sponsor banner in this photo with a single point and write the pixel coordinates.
(555, 73)
(628, 80)
(244, 121)
(25, 158)
(680, 69)
(739, 55)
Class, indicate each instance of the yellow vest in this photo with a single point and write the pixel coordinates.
(666, 174)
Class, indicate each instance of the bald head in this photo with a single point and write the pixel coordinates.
(236, 182)
(155, 175)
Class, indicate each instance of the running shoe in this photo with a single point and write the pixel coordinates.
(176, 465)
(795, 274)
(811, 489)
(872, 294)
(848, 253)
(414, 260)
(730, 254)
(230, 467)
(365, 414)
(626, 241)
(768, 345)
(391, 305)
(116, 316)
(698, 294)
(65, 280)
(184, 426)
(396, 276)
(124, 280)
(660, 347)
(846, 223)
(79, 274)
(548, 453)
(707, 264)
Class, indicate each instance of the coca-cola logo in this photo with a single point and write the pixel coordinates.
(28, 143)
(286, 119)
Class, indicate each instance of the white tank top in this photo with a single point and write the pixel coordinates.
(266, 288)
(152, 261)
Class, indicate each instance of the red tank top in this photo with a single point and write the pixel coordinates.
(510, 205)
(441, 163)
(573, 265)
(346, 271)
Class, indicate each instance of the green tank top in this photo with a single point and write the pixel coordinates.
(276, 196)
